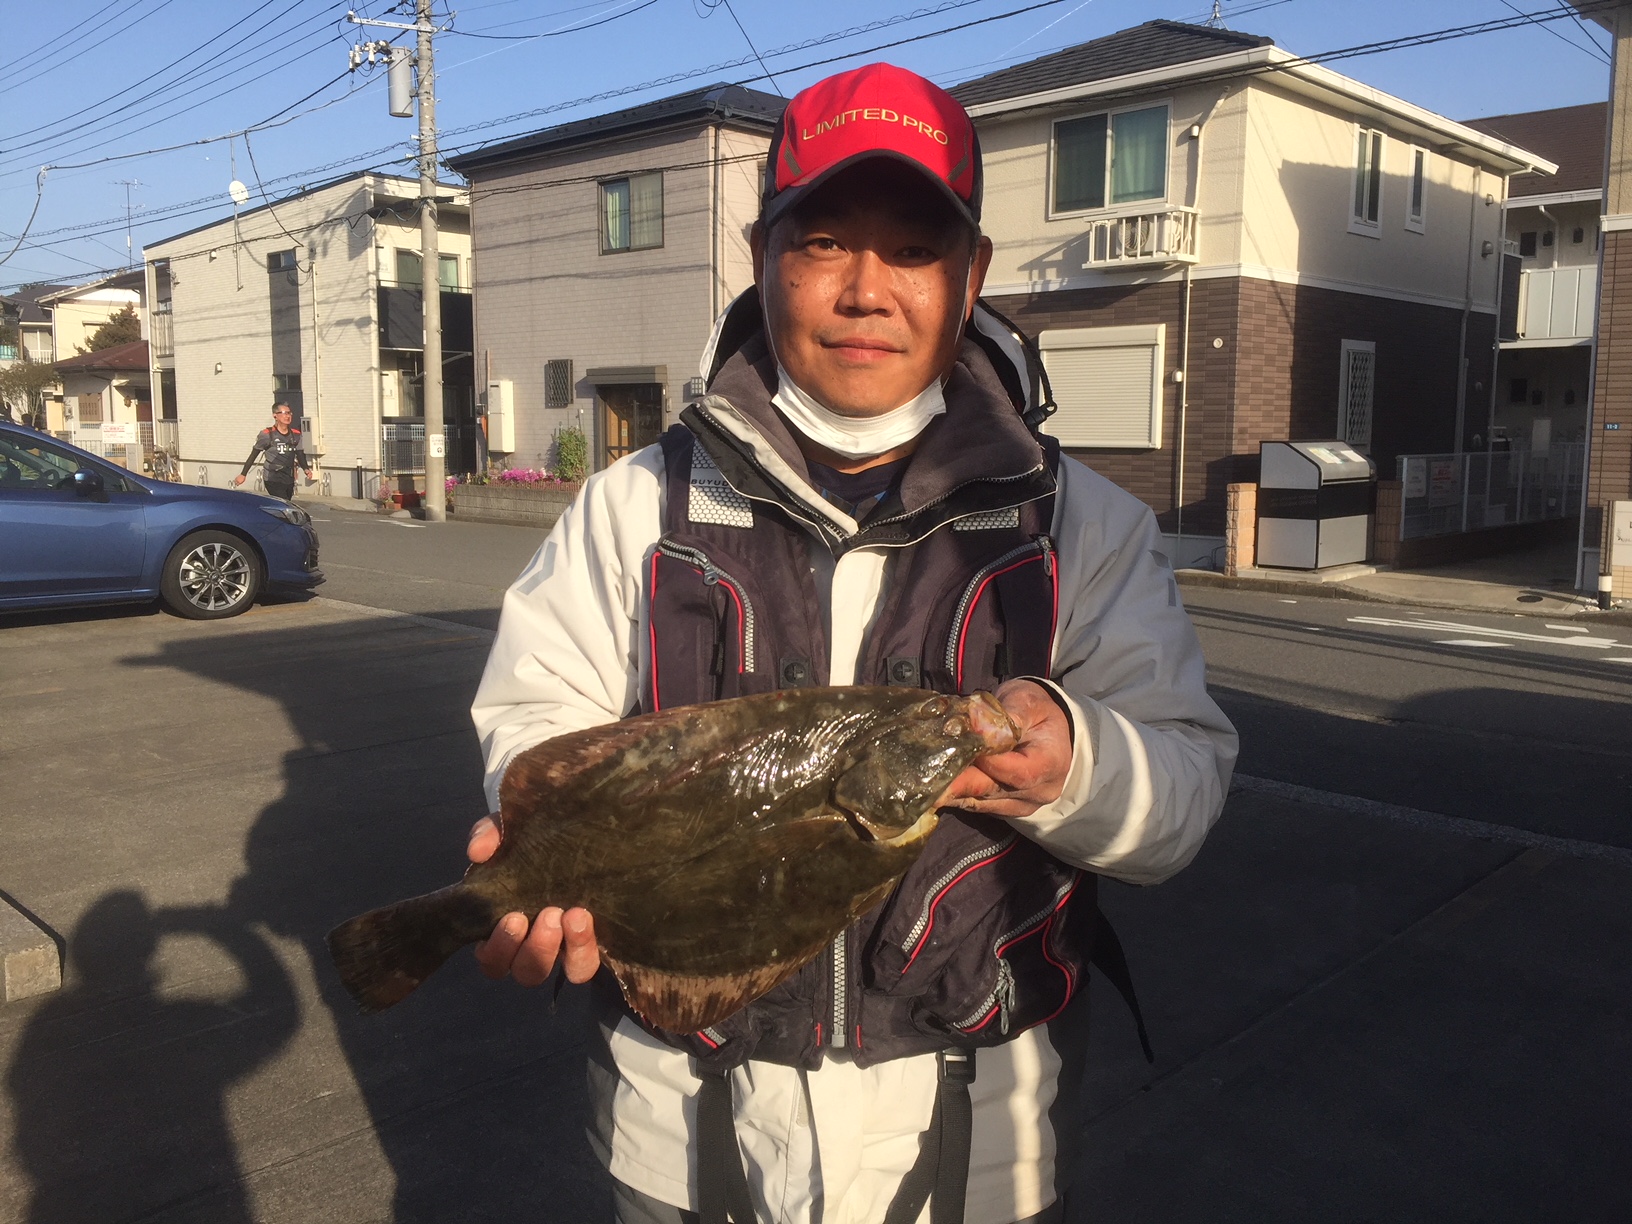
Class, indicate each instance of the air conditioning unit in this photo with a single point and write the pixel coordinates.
(501, 416)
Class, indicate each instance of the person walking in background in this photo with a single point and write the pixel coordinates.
(281, 445)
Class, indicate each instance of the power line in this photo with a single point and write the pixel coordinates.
(212, 202)
(27, 76)
(570, 28)
(99, 139)
(1595, 51)
(769, 75)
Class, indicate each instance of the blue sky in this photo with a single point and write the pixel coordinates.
(83, 80)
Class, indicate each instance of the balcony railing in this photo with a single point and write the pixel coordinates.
(8, 352)
(1160, 236)
(162, 334)
(1557, 303)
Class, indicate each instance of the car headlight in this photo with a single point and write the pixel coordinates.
(289, 514)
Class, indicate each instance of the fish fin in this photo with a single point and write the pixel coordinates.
(689, 1003)
(385, 954)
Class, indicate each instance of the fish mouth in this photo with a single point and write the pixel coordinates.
(883, 835)
(991, 722)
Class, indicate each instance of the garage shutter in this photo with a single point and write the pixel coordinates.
(1107, 382)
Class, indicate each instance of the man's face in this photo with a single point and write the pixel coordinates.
(281, 417)
(866, 287)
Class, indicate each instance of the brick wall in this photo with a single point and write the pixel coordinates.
(1609, 471)
(1264, 365)
(1386, 522)
(1240, 528)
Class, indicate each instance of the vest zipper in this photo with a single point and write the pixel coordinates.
(1037, 546)
(713, 574)
(1002, 994)
(841, 990)
(969, 861)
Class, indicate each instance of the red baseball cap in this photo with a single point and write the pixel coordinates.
(876, 111)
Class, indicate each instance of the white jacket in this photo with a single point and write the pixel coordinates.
(1153, 757)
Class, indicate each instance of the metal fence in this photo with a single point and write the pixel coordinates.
(402, 446)
(1448, 494)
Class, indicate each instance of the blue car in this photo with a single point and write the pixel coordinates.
(75, 529)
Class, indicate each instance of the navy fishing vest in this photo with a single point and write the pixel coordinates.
(987, 934)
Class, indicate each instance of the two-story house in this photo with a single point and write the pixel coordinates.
(1552, 230)
(606, 247)
(315, 300)
(1219, 243)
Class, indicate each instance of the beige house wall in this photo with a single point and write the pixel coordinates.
(1563, 220)
(547, 292)
(221, 311)
(1272, 175)
(75, 319)
(1300, 198)
(1033, 249)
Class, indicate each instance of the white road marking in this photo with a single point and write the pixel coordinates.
(389, 522)
(1435, 821)
(1569, 628)
(430, 622)
(1287, 601)
(1471, 642)
(1595, 643)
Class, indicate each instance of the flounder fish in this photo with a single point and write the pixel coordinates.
(719, 847)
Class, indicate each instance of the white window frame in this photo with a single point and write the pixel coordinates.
(1132, 207)
(601, 188)
(1344, 368)
(1359, 223)
(1416, 222)
(1073, 430)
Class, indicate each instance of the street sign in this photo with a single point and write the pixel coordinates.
(116, 432)
(438, 445)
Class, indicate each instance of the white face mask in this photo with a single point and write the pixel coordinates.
(856, 437)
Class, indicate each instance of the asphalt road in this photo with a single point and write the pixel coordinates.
(1393, 986)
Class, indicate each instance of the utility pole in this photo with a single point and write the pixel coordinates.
(435, 499)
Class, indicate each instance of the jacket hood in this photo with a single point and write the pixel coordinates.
(987, 394)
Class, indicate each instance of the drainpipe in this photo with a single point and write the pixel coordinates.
(1184, 404)
(1496, 339)
(1467, 309)
(317, 359)
(714, 243)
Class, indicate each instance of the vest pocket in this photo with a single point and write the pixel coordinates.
(702, 625)
(1005, 619)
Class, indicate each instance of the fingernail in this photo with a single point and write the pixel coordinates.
(576, 924)
(551, 919)
(515, 925)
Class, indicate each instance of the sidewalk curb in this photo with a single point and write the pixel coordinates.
(30, 963)
(1336, 590)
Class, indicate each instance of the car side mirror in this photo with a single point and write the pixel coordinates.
(87, 482)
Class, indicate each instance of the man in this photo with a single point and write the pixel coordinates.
(282, 447)
(858, 500)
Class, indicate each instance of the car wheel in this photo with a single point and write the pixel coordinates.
(209, 575)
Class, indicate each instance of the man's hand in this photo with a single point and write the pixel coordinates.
(238, 479)
(310, 478)
(529, 954)
(1033, 775)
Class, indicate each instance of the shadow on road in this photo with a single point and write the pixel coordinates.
(474, 1089)
(165, 1087)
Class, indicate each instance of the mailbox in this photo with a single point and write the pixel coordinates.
(1315, 501)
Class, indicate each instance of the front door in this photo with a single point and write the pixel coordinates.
(54, 541)
(631, 418)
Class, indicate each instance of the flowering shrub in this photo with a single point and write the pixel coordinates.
(524, 476)
(452, 483)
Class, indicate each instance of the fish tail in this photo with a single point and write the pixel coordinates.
(385, 954)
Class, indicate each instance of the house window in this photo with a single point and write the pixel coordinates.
(632, 213)
(1107, 382)
(281, 261)
(1419, 190)
(90, 409)
(1518, 390)
(1527, 243)
(1115, 158)
(1355, 391)
(411, 270)
(1368, 180)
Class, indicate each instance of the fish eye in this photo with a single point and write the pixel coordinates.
(954, 726)
(935, 707)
